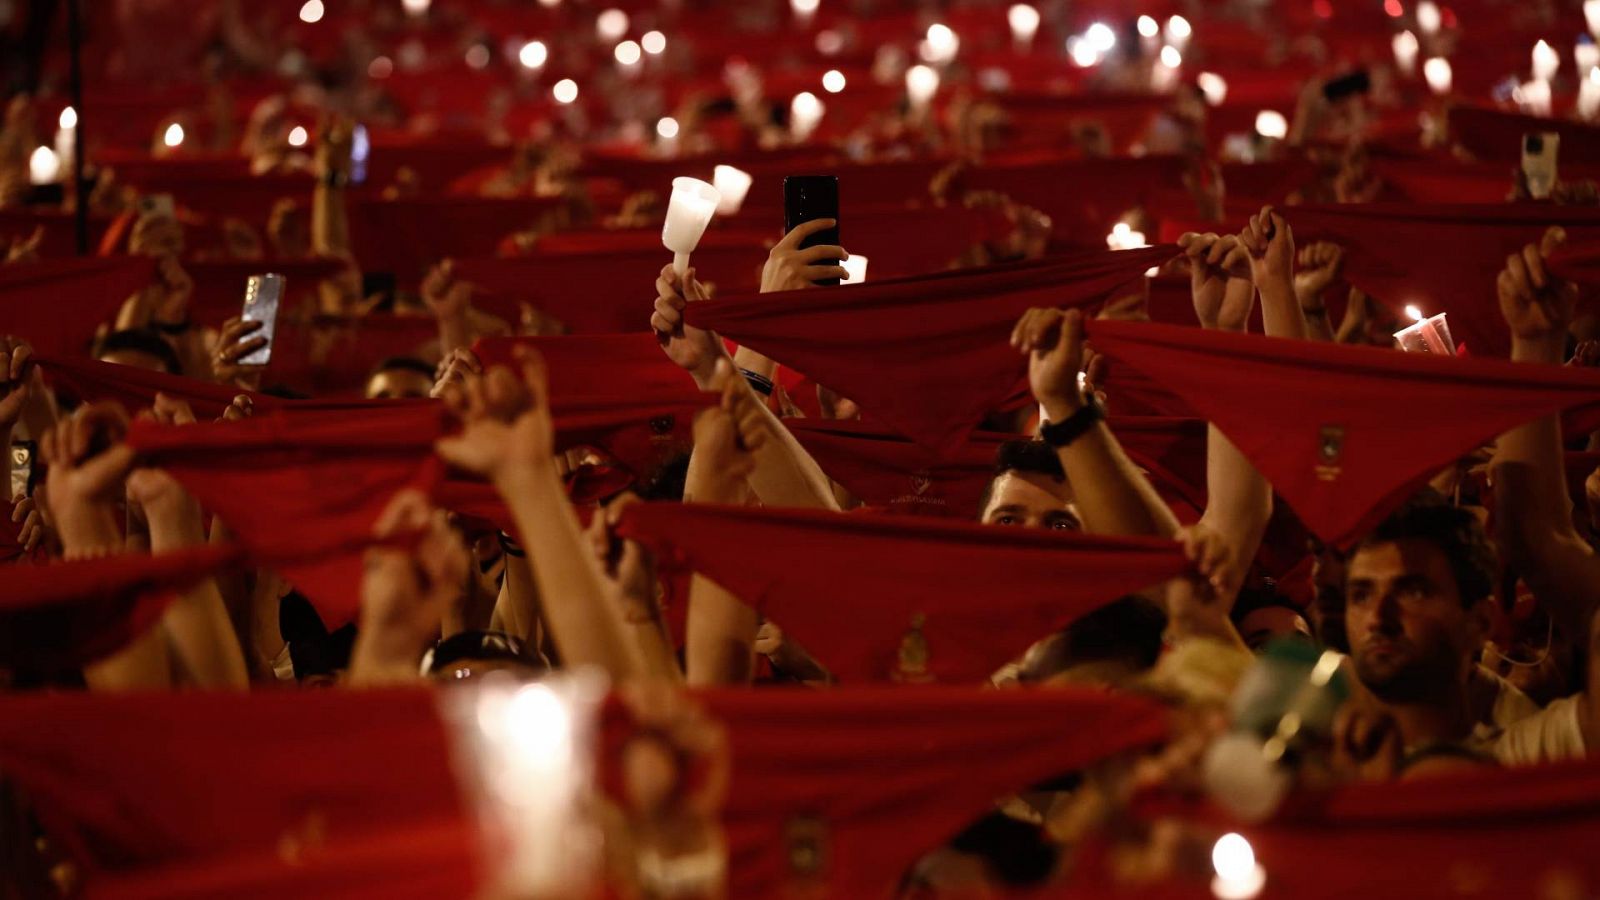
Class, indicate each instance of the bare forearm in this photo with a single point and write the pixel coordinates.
(1239, 504)
(330, 224)
(1113, 497)
(1280, 309)
(197, 622)
(455, 333)
(721, 636)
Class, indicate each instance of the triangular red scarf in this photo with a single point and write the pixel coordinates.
(981, 593)
(219, 284)
(928, 356)
(1344, 434)
(873, 778)
(303, 489)
(91, 380)
(66, 614)
(1440, 258)
(56, 304)
(617, 392)
(1578, 263)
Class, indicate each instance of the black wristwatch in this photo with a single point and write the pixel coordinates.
(1064, 432)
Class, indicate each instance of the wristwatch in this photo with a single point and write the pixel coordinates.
(1064, 432)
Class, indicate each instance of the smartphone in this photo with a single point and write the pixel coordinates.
(808, 197)
(156, 205)
(1539, 151)
(360, 149)
(22, 456)
(262, 294)
(1357, 82)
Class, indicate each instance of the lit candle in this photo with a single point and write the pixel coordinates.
(688, 212)
(1149, 32)
(667, 132)
(940, 46)
(1406, 48)
(44, 167)
(298, 136)
(173, 136)
(1164, 74)
(1586, 53)
(564, 91)
(1425, 335)
(1123, 237)
(66, 135)
(654, 43)
(611, 25)
(1179, 32)
(921, 84)
(1546, 61)
(805, 111)
(1533, 97)
(1100, 38)
(416, 8)
(1428, 17)
(1214, 86)
(833, 81)
(1239, 876)
(533, 55)
(1271, 124)
(732, 184)
(855, 269)
(804, 10)
(1589, 94)
(1024, 22)
(628, 55)
(1438, 74)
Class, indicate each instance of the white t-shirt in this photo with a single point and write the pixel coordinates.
(1548, 735)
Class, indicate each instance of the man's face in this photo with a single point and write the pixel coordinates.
(1031, 501)
(136, 358)
(1260, 627)
(1410, 635)
(398, 384)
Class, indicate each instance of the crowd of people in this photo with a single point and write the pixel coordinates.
(1139, 498)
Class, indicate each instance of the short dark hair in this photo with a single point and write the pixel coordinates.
(404, 363)
(1026, 456)
(1128, 629)
(1457, 533)
(141, 340)
(1017, 853)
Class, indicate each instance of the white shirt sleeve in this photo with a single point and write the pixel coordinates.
(1549, 735)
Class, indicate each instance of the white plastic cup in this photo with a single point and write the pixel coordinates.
(1430, 335)
(693, 204)
(732, 184)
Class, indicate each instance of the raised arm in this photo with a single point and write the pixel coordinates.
(1111, 494)
(1319, 265)
(508, 437)
(1270, 245)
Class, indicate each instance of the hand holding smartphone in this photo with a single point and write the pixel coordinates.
(810, 197)
(1539, 153)
(262, 295)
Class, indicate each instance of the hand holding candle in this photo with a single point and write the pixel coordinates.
(688, 213)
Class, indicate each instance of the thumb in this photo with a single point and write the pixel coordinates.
(1071, 337)
(1553, 240)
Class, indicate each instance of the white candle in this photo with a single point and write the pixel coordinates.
(1239, 876)
(1533, 97)
(855, 269)
(533, 55)
(804, 10)
(688, 213)
(1271, 124)
(1546, 61)
(921, 84)
(1164, 74)
(1438, 74)
(628, 55)
(654, 43)
(565, 91)
(1024, 22)
(66, 136)
(1179, 32)
(1428, 17)
(1123, 237)
(173, 136)
(805, 111)
(667, 135)
(1406, 48)
(1589, 94)
(44, 167)
(1214, 86)
(1149, 32)
(610, 25)
(833, 81)
(940, 46)
(732, 184)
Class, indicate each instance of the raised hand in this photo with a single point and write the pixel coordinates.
(233, 344)
(1320, 265)
(87, 464)
(32, 530)
(694, 349)
(446, 296)
(1053, 341)
(1270, 243)
(1537, 306)
(789, 268)
(175, 288)
(152, 493)
(726, 438)
(455, 369)
(1219, 280)
(506, 422)
(418, 568)
(240, 408)
(17, 381)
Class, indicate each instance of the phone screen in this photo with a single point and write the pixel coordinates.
(808, 197)
(1539, 154)
(360, 149)
(22, 453)
(262, 294)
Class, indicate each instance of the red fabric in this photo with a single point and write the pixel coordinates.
(889, 472)
(1083, 198)
(219, 284)
(56, 304)
(91, 380)
(63, 615)
(1496, 135)
(888, 773)
(303, 489)
(406, 236)
(60, 231)
(604, 292)
(928, 356)
(184, 788)
(1397, 418)
(615, 392)
(985, 592)
(1579, 263)
(333, 356)
(1441, 258)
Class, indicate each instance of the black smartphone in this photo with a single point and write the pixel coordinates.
(262, 294)
(1357, 82)
(808, 197)
(22, 456)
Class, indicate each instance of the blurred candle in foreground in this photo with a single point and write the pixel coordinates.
(1239, 876)
(688, 212)
(1024, 22)
(855, 269)
(1589, 94)
(44, 167)
(732, 184)
(1179, 32)
(1438, 74)
(1406, 49)
(66, 135)
(173, 136)
(1213, 86)
(922, 83)
(1428, 17)
(1271, 124)
(805, 111)
(1546, 61)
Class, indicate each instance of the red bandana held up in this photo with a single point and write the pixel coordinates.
(927, 356)
(91, 380)
(1344, 434)
(67, 614)
(1441, 258)
(925, 600)
(303, 489)
(57, 303)
(616, 392)
(1579, 263)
